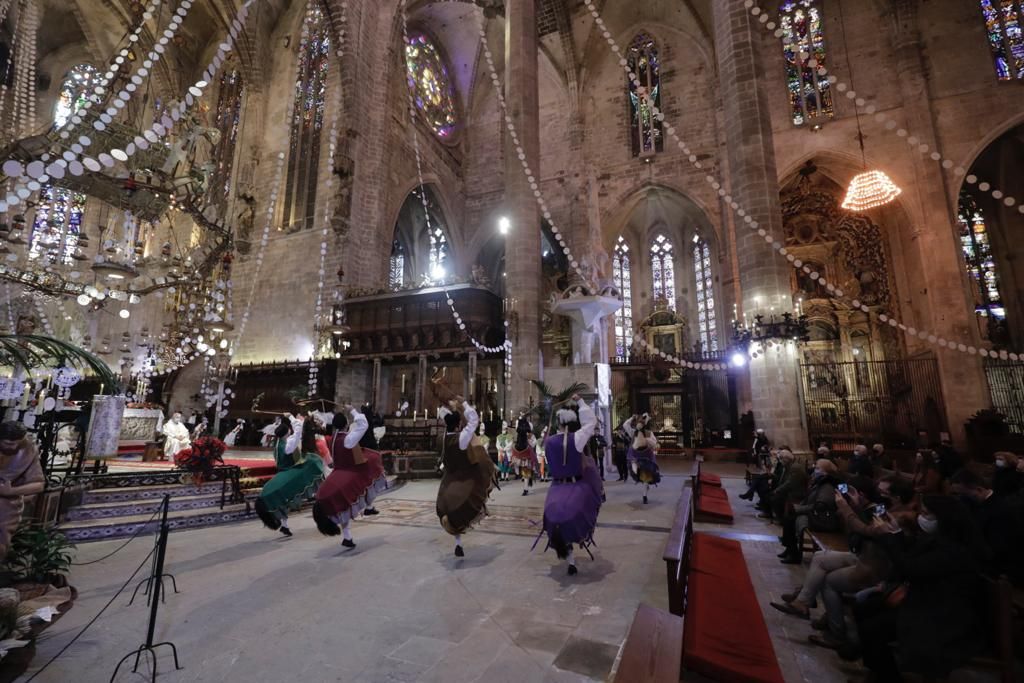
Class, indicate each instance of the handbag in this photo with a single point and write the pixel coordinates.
(823, 518)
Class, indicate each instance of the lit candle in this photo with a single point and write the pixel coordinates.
(403, 382)
(414, 416)
(439, 412)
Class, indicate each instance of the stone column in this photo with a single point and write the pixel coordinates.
(522, 248)
(752, 179)
(948, 307)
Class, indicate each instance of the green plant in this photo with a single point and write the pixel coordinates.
(38, 554)
(550, 400)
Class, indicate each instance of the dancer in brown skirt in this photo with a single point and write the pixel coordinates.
(468, 473)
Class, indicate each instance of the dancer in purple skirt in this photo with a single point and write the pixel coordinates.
(643, 464)
(574, 499)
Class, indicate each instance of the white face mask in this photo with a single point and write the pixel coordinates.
(1000, 463)
(929, 526)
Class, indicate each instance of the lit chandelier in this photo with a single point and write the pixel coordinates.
(868, 189)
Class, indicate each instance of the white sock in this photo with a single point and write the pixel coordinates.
(572, 560)
(458, 540)
(346, 532)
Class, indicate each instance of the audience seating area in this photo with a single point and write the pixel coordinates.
(711, 502)
(710, 593)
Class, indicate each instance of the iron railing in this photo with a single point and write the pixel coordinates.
(1006, 387)
(891, 401)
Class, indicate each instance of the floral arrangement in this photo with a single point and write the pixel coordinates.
(201, 457)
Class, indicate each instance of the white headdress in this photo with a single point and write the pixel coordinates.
(566, 416)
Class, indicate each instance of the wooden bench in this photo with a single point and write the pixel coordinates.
(711, 503)
(1000, 612)
(653, 651)
(819, 541)
(725, 635)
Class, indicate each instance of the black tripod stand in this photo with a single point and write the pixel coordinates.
(154, 590)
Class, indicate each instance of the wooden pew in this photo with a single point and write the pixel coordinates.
(711, 503)
(653, 651)
(677, 553)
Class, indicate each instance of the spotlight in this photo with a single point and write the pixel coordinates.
(437, 272)
(503, 225)
(738, 360)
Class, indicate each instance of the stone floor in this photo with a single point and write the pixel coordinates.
(400, 607)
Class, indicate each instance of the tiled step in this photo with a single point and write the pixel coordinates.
(141, 507)
(139, 493)
(122, 527)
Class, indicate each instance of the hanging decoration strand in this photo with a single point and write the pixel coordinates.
(728, 200)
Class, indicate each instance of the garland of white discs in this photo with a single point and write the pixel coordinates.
(505, 347)
(815, 276)
(314, 370)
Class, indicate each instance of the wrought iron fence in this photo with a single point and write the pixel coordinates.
(890, 401)
(1006, 387)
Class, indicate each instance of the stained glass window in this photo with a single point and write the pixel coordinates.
(663, 272)
(431, 89)
(974, 241)
(810, 96)
(57, 225)
(623, 280)
(74, 92)
(645, 128)
(707, 323)
(396, 269)
(228, 115)
(307, 119)
(1002, 21)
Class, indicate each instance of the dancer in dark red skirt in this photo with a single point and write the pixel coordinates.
(574, 499)
(357, 479)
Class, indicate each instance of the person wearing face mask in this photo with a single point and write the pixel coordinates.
(176, 436)
(817, 511)
(1001, 521)
(20, 475)
(860, 464)
(937, 626)
(1007, 479)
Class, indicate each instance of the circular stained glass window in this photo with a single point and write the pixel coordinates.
(431, 89)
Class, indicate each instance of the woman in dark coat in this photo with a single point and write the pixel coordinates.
(938, 626)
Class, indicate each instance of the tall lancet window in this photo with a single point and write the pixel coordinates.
(981, 265)
(623, 279)
(307, 119)
(810, 96)
(663, 272)
(57, 225)
(707, 322)
(645, 128)
(1003, 23)
(396, 268)
(228, 117)
(78, 85)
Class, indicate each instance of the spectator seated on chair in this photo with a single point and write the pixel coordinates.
(936, 622)
(860, 464)
(880, 459)
(1008, 478)
(761, 476)
(833, 574)
(816, 512)
(928, 478)
(1001, 521)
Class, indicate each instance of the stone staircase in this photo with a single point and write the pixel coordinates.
(119, 506)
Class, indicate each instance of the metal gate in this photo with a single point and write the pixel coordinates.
(1006, 387)
(896, 402)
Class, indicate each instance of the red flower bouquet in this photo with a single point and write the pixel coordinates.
(205, 453)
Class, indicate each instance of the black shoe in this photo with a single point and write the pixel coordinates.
(459, 552)
(784, 553)
(645, 500)
(526, 493)
(747, 496)
(793, 559)
(572, 570)
(371, 511)
(349, 543)
(286, 531)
